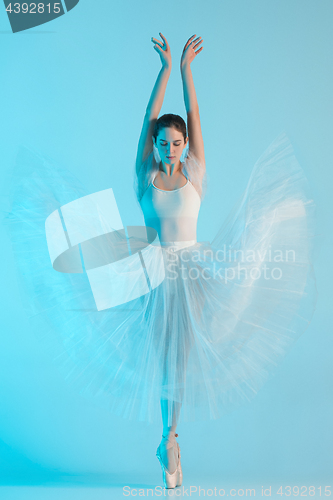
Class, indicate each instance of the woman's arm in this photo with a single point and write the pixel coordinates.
(155, 102)
(196, 144)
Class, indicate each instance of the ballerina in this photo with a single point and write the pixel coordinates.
(203, 341)
(167, 135)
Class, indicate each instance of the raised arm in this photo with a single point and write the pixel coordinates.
(155, 102)
(195, 140)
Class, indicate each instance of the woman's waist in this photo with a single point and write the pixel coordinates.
(172, 231)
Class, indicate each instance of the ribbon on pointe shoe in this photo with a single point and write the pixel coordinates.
(170, 438)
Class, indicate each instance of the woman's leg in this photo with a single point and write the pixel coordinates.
(168, 450)
(179, 341)
(170, 410)
(173, 408)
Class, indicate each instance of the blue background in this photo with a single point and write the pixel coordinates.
(76, 89)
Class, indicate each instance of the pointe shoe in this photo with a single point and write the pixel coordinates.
(180, 472)
(174, 479)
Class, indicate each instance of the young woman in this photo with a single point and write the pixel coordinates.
(174, 216)
(202, 340)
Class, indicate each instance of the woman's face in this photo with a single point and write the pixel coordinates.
(170, 144)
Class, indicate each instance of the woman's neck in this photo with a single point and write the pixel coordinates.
(170, 169)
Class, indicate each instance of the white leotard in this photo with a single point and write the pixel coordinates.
(173, 214)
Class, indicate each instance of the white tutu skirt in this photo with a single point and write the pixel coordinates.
(209, 334)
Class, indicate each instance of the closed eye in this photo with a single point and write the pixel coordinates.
(164, 143)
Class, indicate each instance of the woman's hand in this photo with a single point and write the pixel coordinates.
(164, 51)
(191, 49)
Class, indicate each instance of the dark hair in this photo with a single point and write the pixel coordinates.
(170, 120)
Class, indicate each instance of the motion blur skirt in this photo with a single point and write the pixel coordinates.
(210, 332)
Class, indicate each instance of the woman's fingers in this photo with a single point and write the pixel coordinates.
(194, 43)
(189, 41)
(163, 50)
(160, 50)
(157, 41)
(197, 52)
(192, 48)
(198, 43)
(164, 39)
(164, 46)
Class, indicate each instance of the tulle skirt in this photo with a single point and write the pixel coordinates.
(207, 334)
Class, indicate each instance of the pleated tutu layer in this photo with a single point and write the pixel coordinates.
(218, 323)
